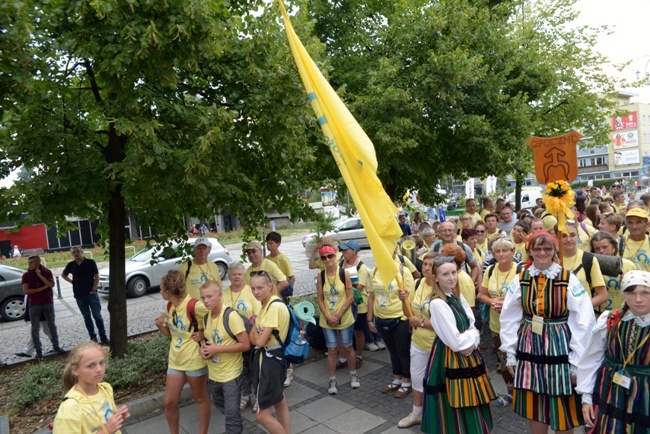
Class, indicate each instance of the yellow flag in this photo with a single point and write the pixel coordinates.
(355, 156)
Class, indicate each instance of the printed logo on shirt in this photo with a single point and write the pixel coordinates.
(241, 306)
(642, 257)
(613, 283)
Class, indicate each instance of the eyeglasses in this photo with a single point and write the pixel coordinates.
(444, 260)
(537, 250)
(326, 257)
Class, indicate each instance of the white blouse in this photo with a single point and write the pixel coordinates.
(581, 315)
(594, 353)
(443, 322)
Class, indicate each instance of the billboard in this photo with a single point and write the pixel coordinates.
(625, 158)
(624, 122)
(625, 139)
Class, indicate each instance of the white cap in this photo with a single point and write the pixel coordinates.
(203, 241)
(635, 277)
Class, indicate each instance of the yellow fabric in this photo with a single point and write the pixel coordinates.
(475, 217)
(638, 252)
(596, 275)
(364, 279)
(467, 287)
(224, 366)
(275, 316)
(354, 155)
(243, 301)
(420, 299)
(387, 303)
(585, 237)
(283, 263)
(79, 414)
(199, 274)
(615, 296)
(183, 351)
(497, 286)
(409, 264)
(479, 255)
(484, 212)
(269, 267)
(520, 252)
(483, 246)
(334, 298)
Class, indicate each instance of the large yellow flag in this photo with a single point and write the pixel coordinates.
(355, 156)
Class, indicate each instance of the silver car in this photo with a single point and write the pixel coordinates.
(344, 230)
(12, 298)
(141, 275)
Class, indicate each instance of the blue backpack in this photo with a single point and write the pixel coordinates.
(295, 345)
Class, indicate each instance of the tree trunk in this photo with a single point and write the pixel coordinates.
(518, 181)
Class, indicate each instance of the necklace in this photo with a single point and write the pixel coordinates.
(99, 389)
(332, 283)
(504, 281)
(633, 257)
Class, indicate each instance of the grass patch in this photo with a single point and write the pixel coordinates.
(237, 236)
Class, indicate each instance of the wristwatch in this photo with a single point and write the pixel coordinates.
(422, 323)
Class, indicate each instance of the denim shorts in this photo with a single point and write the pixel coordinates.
(194, 373)
(332, 340)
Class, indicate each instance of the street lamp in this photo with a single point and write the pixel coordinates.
(646, 74)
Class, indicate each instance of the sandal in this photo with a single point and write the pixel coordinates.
(402, 391)
(391, 387)
(504, 401)
(244, 403)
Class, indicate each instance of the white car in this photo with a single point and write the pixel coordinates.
(344, 230)
(142, 275)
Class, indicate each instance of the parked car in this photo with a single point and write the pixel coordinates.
(12, 298)
(142, 275)
(344, 230)
(528, 198)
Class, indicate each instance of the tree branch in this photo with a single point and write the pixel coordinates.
(93, 82)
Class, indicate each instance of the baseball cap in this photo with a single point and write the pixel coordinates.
(635, 277)
(253, 245)
(637, 212)
(202, 241)
(351, 244)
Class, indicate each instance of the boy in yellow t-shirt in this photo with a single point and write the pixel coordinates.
(222, 348)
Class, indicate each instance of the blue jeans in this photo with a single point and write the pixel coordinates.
(90, 305)
(35, 318)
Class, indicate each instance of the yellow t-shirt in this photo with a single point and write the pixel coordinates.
(484, 212)
(183, 351)
(243, 301)
(596, 275)
(420, 299)
(387, 304)
(270, 268)
(638, 252)
(615, 296)
(283, 263)
(520, 252)
(483, 246)
(497, 286)
(467, 287)
(224, 366)
(475, 217)
(334, 297)
(199, 274)
(479, 255)
(276, 316)
(364, 279)
(83, 414)
(585, 237)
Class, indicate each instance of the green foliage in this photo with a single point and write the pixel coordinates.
(323, 224)
(42, 381)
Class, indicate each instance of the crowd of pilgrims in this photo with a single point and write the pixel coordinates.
(572, 342)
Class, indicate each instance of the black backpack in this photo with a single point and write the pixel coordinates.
(587, 262)
(490, 270)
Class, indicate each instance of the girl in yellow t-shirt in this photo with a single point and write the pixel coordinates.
(185, 362)
(334, 300)
(269, 367)
(88, 406)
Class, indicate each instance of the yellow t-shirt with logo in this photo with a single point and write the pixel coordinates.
(615, 296)
(467, 287)
(364, 279)
(520, 252)
(283, 263)
(243, 301)
(596, 274)
(497, 286)
(276, 316)
(334, 297)
(183, 351)
(199, 274)
(638, 252)
(79, 413)
(224, 366)
(270, 268)
(387, 304)
(420, 299)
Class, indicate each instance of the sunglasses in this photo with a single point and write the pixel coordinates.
(444, 260)
(480, 232)
(174, 318)
(326, 257)
(262, 273)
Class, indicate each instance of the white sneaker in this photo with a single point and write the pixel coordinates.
(355, 383)
(288, 381)
(409, 421)
(372, 347)
(381, 345)
(332, 389)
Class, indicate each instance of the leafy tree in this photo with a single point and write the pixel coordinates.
(174, 108)
(457, 87)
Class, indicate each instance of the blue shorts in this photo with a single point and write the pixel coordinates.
(332, 337)
(195, 373)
